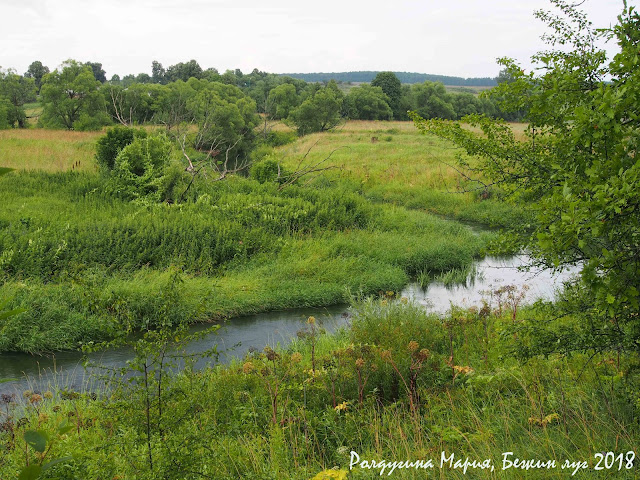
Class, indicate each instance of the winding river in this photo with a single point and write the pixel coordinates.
(19, 372)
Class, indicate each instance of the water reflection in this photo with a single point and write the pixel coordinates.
(236, 337)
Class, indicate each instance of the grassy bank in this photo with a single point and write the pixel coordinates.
(84, 262)
(398, 385)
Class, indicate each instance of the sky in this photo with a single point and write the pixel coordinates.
(444, 37)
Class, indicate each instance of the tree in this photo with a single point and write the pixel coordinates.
(17, 90)
(157, 72)
(183, 71)
(368, 103)
(392, 88)
(98, 73)
(577, 170)
(319, 113)
(431, 100)
(37, 71)
(283, 100)
(70, 98)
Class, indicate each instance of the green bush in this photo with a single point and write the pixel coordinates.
(267, 170)
(110, 145)
(140, 167)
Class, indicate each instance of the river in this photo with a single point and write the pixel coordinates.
(19, 372)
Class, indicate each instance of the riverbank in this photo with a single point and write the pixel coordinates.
(87, 265)
(400, 384)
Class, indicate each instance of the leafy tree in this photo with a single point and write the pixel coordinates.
(98, 73)
(225, 118)
(183, 71)
(157, 72)
(17, 90)
(37, 71)
(70, 98)
(431, 100)
(283, 99)
(319, 113)
(368, 103)
(577, 170)
(392, 88)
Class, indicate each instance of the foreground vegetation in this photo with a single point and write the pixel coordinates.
(398, 385)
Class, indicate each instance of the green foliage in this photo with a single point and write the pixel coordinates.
(392, 88)
(37, 71)
(267, 170)
(140, 169)
(109, 146)
(368, 103)
(16, 90)
(577, 167)
(319, 113)
(70, 98)
(284, 99)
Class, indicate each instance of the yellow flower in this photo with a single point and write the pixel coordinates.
(463, 370)
(311, 320)
(48, 395)
(296, 357)
(341, 406)
(413, 346)
(360, 362)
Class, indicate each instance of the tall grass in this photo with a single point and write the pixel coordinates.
(398, 385)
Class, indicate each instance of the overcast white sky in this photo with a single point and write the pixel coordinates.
(446, 37)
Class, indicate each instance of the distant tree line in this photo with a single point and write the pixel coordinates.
(404, 77)
(78, 96)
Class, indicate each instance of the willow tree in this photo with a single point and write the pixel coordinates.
(577, 169)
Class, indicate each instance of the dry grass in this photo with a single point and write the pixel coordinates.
(49, 150)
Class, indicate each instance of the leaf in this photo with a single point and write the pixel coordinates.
(36, 439)
(32, 472)
(50, 464)
(65, 427)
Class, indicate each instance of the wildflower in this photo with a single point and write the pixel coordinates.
(386, 355)
(311, 320)
(423, 354)
(48, 395)
(35, 398)
(43, 417)
(27, 393)
(463, 370)
(413, 346)
(296, 357)
(404, 300)
(360, 362)
(270, 353)
(341, 406)
(6, 399)
(247, 367)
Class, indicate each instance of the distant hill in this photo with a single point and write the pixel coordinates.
(405, 77)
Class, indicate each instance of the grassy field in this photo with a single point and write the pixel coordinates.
(48, 150)
(241, 247)
(393, 162)
(398, 384)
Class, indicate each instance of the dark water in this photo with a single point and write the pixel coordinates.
(65, 369)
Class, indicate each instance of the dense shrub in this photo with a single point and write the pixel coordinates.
(109, 146)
